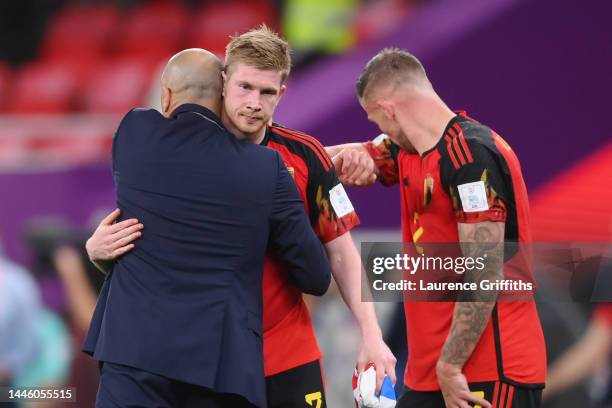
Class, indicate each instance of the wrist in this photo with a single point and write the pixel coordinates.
(89, 251)
(370, 331)
(446, 369)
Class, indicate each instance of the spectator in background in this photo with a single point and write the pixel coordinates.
(319, 27)
(80, 295)
(71, 287)
(589, 355)
(19, 312)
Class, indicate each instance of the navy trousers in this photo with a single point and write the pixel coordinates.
(127, 387)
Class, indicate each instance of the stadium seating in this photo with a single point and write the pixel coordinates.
(152, 32)
(215, 22)
(117, 86)
(44, 87)
(5, 81)
(80, 32)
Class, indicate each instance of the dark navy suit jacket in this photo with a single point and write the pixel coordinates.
(186, 302)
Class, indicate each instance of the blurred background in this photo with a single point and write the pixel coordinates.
(538, 72)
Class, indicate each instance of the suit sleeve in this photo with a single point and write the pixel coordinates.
(293, 240)
(384, 153)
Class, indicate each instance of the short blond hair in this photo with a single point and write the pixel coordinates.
(260, 48)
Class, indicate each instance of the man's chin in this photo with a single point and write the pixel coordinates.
(251, 129)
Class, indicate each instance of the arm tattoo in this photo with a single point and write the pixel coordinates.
(483, 239)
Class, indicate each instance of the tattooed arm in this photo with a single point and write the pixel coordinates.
(483, 239)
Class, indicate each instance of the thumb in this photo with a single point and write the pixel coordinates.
(337, 161)
(110, 218)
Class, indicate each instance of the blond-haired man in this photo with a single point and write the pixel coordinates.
(257, 65)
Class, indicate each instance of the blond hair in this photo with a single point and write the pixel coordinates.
(260, 48)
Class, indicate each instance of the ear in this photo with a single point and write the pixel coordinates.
(388, 108)
(283, 88)
(224, 76)
(166, 100)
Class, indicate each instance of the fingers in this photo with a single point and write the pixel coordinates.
(122, 225)
(380, 376)
(354, 167)
(468, 396)
(110, 218)
(117, 253)
(337, 161)
(390, 370)
(124, 232)
(361, 365)
(125, 241)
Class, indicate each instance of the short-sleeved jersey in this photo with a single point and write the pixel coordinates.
(470, 175)
(289, 339)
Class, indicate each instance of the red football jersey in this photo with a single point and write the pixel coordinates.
(289, 338)
(512, 346)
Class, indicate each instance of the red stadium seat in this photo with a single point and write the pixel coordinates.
(117, 86)
(5, 81)
(152, 32)
(215, 23)
(80, 32)
(44, 87)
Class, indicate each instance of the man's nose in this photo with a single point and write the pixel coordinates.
(254, 102)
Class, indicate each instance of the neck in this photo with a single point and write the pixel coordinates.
(256, 137)
(430, 121)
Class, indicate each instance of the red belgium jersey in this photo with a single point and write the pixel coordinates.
(289, 338)
(432, 185)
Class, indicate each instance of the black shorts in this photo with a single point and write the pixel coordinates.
(301, 386)
(500, 395)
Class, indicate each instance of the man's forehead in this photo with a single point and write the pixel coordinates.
(250, 73)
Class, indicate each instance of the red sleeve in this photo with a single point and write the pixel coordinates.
(478, 189)
(331, 211)
(384, 153)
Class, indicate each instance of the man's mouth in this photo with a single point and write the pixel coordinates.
(251, 119)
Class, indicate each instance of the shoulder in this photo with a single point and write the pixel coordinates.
(301, 144)
(466, 142)
(142, 113)
(254, 152)
(137, 116)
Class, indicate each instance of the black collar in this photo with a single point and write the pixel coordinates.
(192, 107)
(460, 115)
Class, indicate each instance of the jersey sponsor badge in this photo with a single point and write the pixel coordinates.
(340, 201)
(473, 196)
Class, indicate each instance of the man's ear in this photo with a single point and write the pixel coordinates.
(388, 108)
(224, 76)
(166, 101)
(283, 88)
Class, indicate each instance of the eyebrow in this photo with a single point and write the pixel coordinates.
(272, 91)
